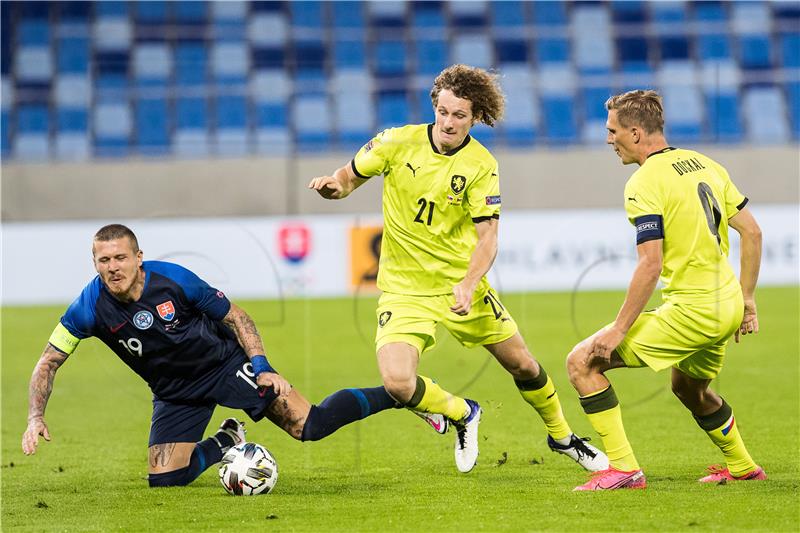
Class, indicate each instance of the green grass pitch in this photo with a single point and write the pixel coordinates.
(390, 472)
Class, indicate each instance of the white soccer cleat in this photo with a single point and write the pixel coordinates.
(235, 430)
(467, 438)
(439, 423)
(581, 452)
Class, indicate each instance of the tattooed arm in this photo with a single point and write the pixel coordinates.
(250, 340)
(39, 392)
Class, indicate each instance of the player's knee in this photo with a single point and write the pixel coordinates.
(576, 364)
(400, 389)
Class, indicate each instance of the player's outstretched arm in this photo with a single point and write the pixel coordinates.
(250, 340)
(479, 264)
(750, 257)
(39, 392)
(339, 186)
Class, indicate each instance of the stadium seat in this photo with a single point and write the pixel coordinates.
(152, 64)
(389, 58)
(191, 143)
(472, 50)
(273, 86)
(273, 141)
(312, 122)
(508, 15)
(272, 115)
(723, 117)
(33, 118)
(72, 91)
(72, 55)
(349, 16)
(755, 52)
(713, 46)
(354, 110)
(191, 112)
(468, 14)
(72, 146)
(34, 63)
(558, 114)
(683, 103)
(710, 11)
(228, 18)
(151, 118)
(793, 98)
(33, 32)
(267, 30)
(427, 17)
(592, 44)
(112, 34)
(790, 50)
(556, 50)
(431, 56)
(349, 52)
(112, 126)
(191, 60)
(31, 146)
(510, 51)
(72, 119)
(387, 15)
(230, 62)
(765, 115)
(393, 110)
(550, 14)
(190, 12)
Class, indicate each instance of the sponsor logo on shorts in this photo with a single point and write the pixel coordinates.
(493, 200)
(143, 319)
(384, 318)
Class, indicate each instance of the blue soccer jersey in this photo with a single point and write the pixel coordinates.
(172, 336)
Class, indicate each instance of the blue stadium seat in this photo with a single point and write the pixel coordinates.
(310, 81)
(669, 13)
(74, 11)
(308, 14)
(312, 123)
(191, 12)
(272, 115)
(713, 46)
(793, 98)
(723, 117)
(6, 38)
(34, 63)
(268, 30)
(231, 112)
(271, 86)
(230, 62)
(710, 11)
(754, 52)
(111, 8)
(390, 58)
(266, 6)
(310, 55)
(190, 143)
(72, 119)
(628, 12)
(593, 48)
(152, 11)
(354, 116)
(593, 101)
(431, 55)
(31, 146)
(228, 19)
(232, 142)
(556, 50)
(550, 14)
(152, 126)
(683, 103)
(33, 118)
(519, 127)
(765, 115)
(508, 14)
(191, 112)
(73, 55)
(112, 34)
(72, 91)
(268, 58)
(349, 53)
(427, 16)
(468, 14)
(273, 141)
(152, 64)
(190, 63)
(511, 51)
(387, 15)
(674, 47)
(348, 15)
(472, 50)
(72, 146)
(790, 50)
(393, 110)
(559, 120)
(33, 32)
(112, 126)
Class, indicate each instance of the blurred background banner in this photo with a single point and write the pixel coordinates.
(333, 255)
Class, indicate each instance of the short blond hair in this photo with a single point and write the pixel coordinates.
(639, 108)
(477, 85)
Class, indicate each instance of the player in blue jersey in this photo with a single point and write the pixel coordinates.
(195, 349)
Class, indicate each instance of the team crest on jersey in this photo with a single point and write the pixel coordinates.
(143, 319)
(457, 183)
(384, 318)
(166, 310)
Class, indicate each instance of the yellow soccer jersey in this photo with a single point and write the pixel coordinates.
(686, 198)
(431, 202)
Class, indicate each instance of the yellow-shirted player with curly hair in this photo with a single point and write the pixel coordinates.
(441, 207)
(681, 204)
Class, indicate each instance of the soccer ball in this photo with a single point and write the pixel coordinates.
(248, 469)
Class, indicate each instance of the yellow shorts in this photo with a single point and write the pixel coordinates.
(691, 337)
(413, 319)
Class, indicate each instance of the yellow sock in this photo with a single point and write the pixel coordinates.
(431, 398)
(602, 409)
(721, 427)
(541, 394)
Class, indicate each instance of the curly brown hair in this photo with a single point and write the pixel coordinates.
(475, 84)
(639, 108)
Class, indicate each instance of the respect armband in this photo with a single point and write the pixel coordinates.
(260, 365)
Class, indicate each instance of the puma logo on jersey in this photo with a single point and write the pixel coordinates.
(632, 199)
(413, 170)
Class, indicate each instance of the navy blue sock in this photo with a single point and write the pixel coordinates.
(343, 407)
(205, 454)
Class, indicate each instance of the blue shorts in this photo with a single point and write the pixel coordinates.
(175, 421)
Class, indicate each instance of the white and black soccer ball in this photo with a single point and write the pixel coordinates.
(248, 469)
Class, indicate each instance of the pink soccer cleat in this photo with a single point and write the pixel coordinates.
(612, 479)
(719, 474)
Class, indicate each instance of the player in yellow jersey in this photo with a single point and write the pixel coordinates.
(681, 204)
(441, 206)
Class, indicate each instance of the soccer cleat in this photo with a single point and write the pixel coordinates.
(582, 453)
(235, 430)
(612, 479)
(467, 438)
(439, 423)
(719, 474)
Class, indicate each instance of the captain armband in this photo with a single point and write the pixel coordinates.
(63, 340)
(649, 228)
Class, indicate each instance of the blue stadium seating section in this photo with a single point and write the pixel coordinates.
(169, 78)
